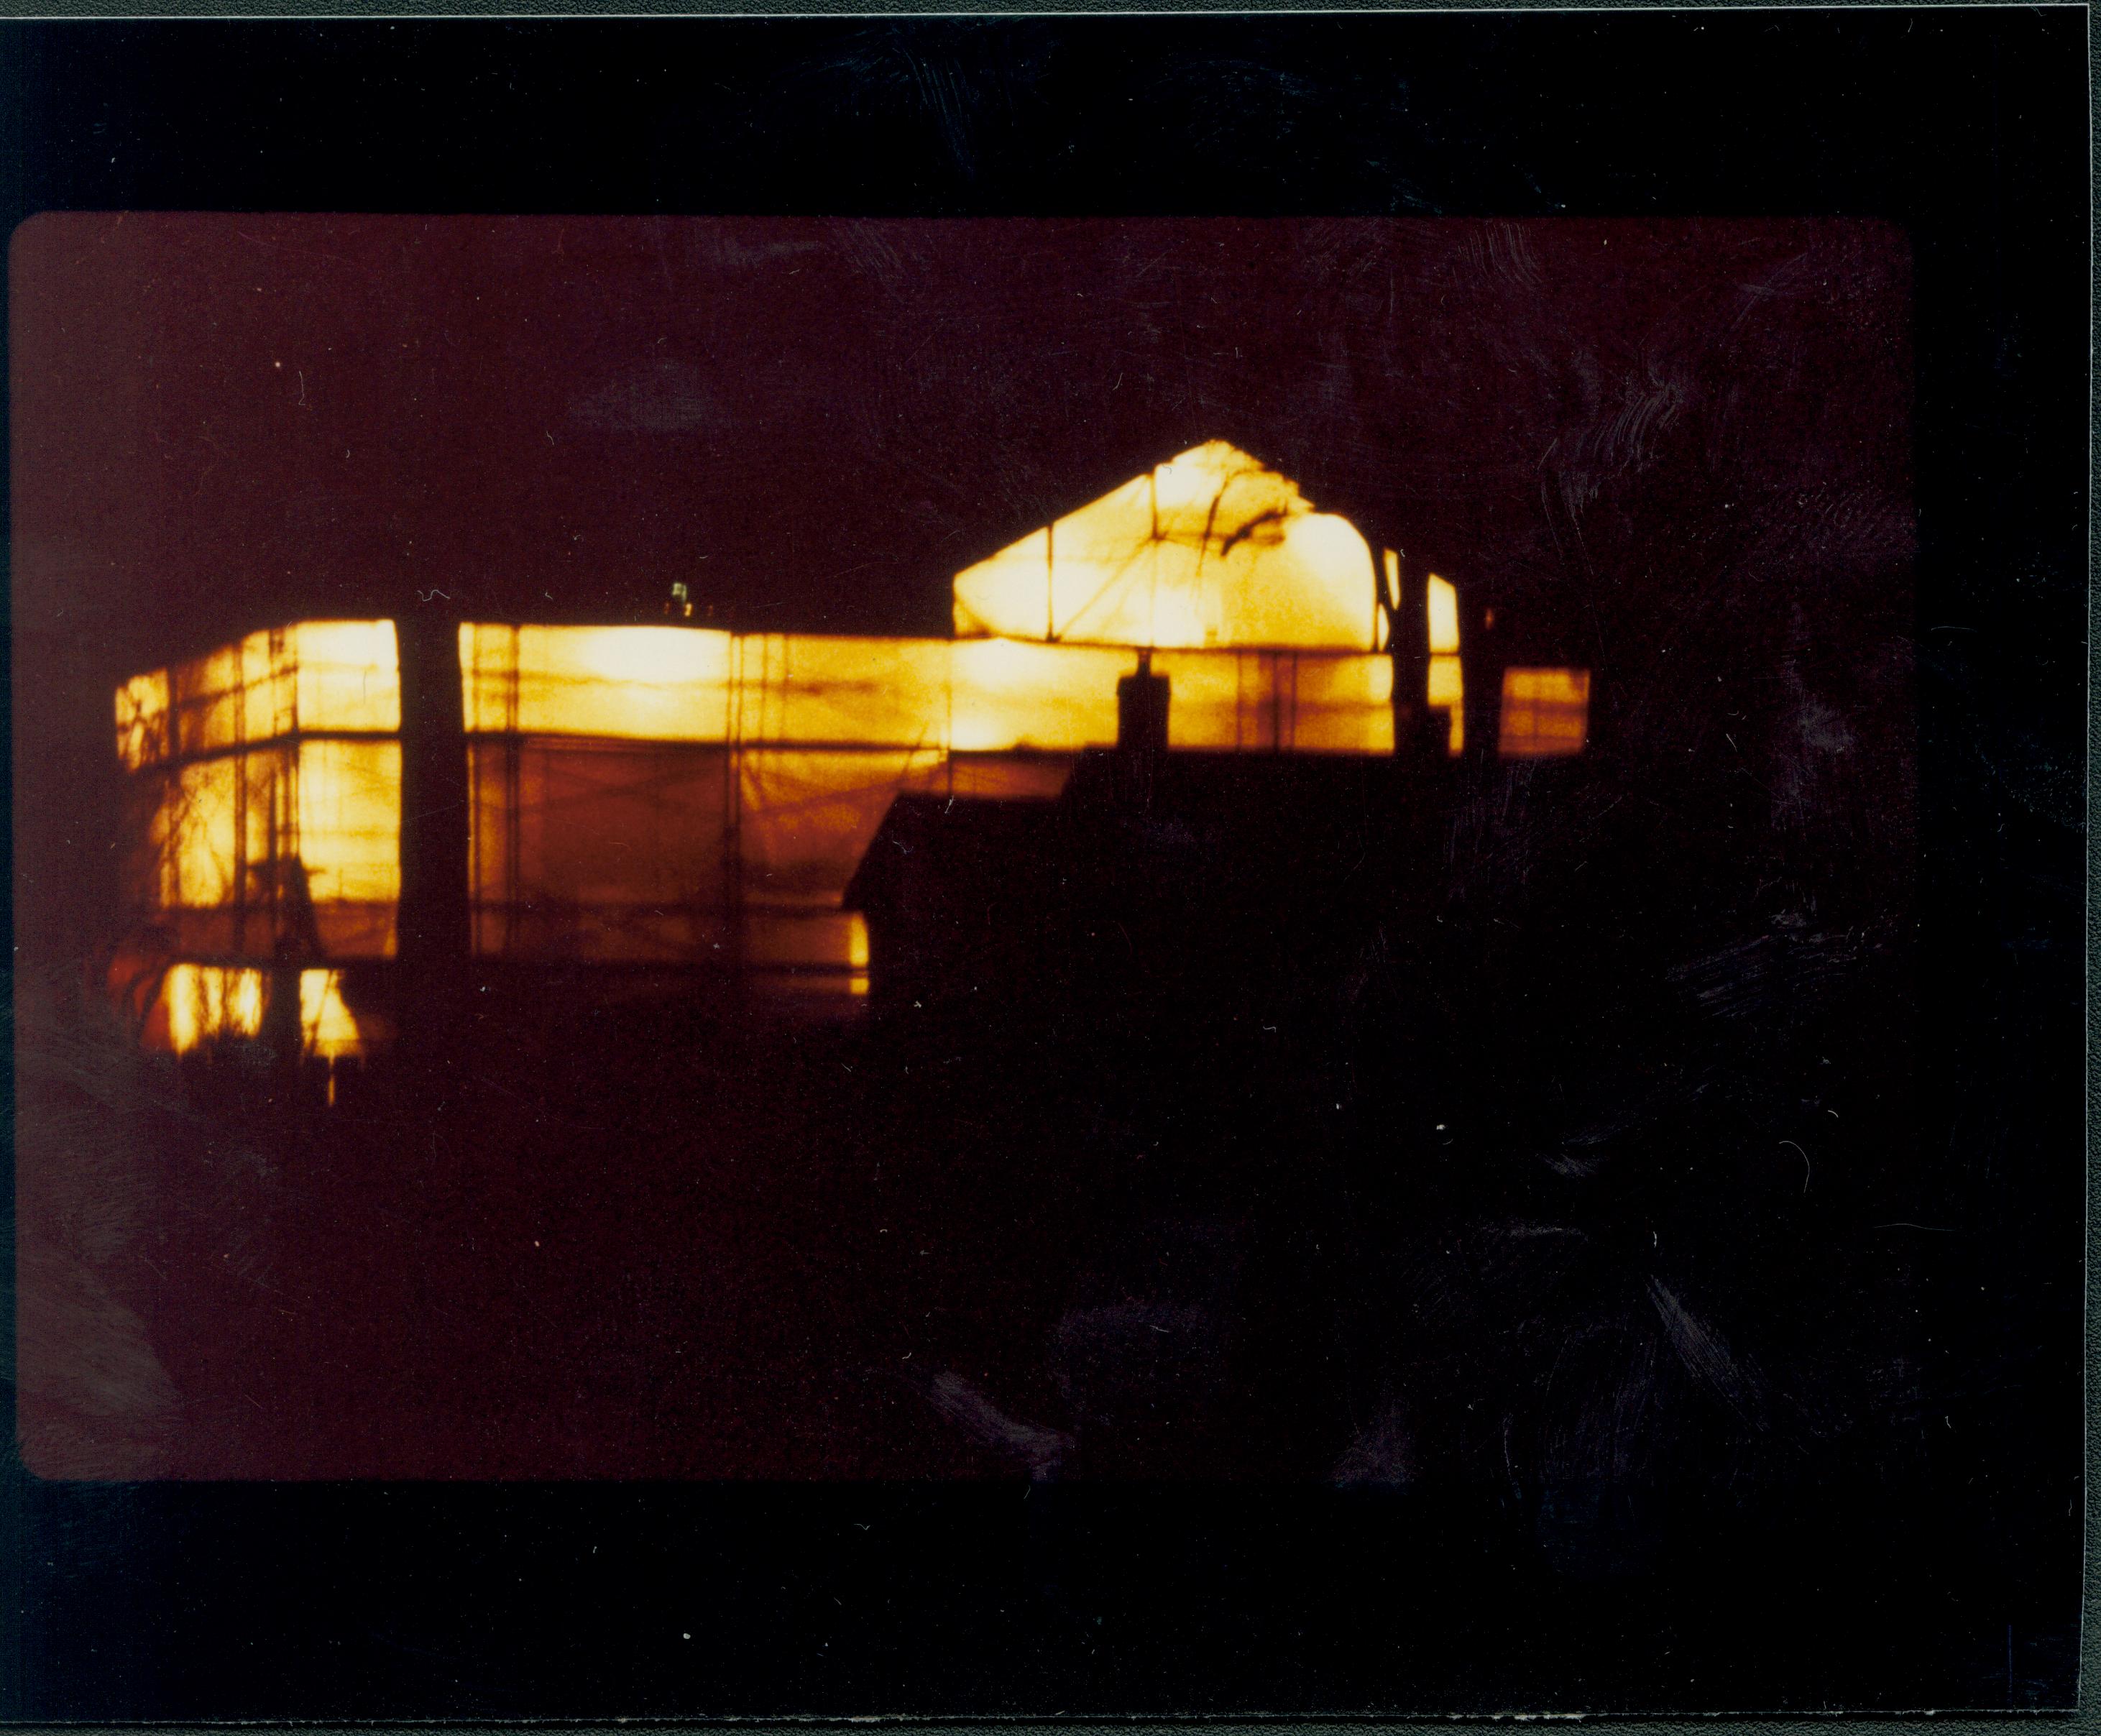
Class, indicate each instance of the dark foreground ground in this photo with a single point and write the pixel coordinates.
(1521, 1356)
(1585, 1279)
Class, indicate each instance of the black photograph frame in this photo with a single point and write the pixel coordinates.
(1965, 126)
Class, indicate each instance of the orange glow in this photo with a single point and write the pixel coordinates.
(811, 688)
(349, 838)
(1447, 692)
(664, 793)
(346, 675)
(142, 720)
(313, 676)
(203, 1003)
(1264, 700)
(1025, 776)
(325, 1023)
(1343, 705)
(1545, 713)
(808, 817)
(198, 825)
(1006, 693)
(280, 820)
(1211, 549)
(1446, 689)
(648, 684)
(599, 849)
(970, 695)
(1442, 603)
(616, 846)
(808, 953)
(208, 703)
(282, 840)
(269, 692)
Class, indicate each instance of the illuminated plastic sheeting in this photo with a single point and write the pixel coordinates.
(973, 696)
(605, 933)
(205, 1002)
(617, 852)
(142, 720)
(201, 1003)
(1344, 705)
(809, 817)
(648, 684)
(629, 851)
(605, 850)
(296, 841)
(349, 839)
(1447, 692)
(1212, 548)
(681, 684)
(1545, 713)
(313, 676)
(218, 826)
(812, 689)
(355, 931)
(346, 676)
(1263, 700)
(199, 833)
(211, 702)
(1011, 777)
(1447, 680)
(325, 1023)
(1007, 694)
(646, 784)
(1441, 607)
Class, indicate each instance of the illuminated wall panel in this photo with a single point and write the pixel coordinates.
(646, 683)
(1447, 687)
(1007, 693)
(607, 850)
(1343, 705)
(265, 807)
(1212, 548)
(1272, 701)
(200, 1004)
(349, 835)
(671, 794)
(315, 676)
(808, 816)
(345, 676)
(142, 720)
(1023, 775)
(816, 689)
(1545, 713)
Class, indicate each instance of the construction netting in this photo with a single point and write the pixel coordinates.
(1212, 548)
(1446, 687)
(262, 822)
(651, 794)
(672, 795)
(197, 1002)
(1545, 713)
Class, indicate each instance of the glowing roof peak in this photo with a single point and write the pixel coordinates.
(1213, 548)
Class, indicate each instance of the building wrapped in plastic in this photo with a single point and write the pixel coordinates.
(674, 797)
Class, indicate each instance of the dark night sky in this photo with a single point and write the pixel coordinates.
(223, 421)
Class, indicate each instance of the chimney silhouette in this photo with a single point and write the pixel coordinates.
(1142, 701)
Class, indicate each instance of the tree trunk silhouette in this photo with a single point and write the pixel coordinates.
(434, 937)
